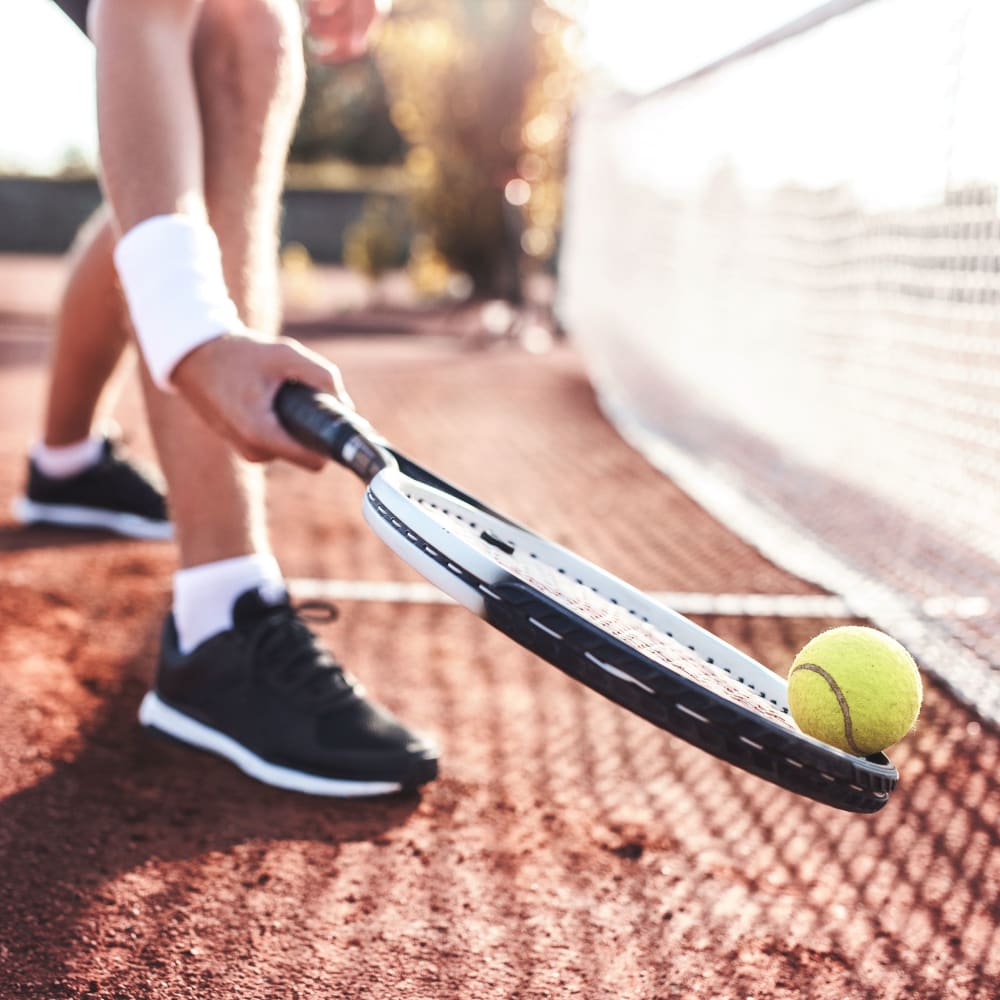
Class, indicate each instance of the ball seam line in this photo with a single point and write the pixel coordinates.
(845, 708)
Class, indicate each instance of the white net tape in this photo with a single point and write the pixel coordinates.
(785, 277)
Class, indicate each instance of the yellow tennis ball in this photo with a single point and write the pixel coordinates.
(855, 688)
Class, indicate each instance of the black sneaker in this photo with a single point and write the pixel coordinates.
(113, 495)
(266, 696)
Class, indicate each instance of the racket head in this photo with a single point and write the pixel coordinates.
(613, 638)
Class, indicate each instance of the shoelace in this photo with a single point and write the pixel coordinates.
(284, 646)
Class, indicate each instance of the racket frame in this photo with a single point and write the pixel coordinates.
(408, 507)
(407, 514)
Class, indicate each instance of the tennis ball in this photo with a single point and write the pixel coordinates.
(855, 688)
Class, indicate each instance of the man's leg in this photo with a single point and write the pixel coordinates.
(77, 476)
(250, 80)
(292, 703)
(91, 337)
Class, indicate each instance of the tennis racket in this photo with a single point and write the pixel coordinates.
(594, 627)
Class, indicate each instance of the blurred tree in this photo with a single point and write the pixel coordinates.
(379, 240)
(345, 116)
(481, 91)
(474, 96)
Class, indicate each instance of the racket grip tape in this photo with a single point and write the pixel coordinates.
(322, 423)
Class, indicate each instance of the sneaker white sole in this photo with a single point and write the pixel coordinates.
(130, 525)
(156, 714)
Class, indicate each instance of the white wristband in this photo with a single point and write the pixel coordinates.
(170, 268)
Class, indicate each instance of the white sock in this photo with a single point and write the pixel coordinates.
(204, 595)
(65, 460)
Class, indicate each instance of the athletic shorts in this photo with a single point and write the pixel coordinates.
(76, 10)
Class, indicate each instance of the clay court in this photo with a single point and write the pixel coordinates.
(567, 850)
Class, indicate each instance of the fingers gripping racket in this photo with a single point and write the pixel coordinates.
(593, 626)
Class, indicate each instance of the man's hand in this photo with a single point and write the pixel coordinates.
(340, 30)
(232, 381)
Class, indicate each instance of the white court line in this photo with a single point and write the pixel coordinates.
(385, 591)
(763, 605)
(686, 602)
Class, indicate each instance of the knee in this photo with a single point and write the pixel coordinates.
(250, 51)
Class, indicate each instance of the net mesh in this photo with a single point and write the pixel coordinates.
(785, 277)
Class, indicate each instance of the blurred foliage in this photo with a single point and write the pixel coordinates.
(380, 240)
(481, 90)
(345, 116)
(474, 98)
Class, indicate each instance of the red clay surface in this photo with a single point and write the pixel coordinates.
(568, 849)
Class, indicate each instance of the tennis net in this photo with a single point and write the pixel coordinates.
(784, 273)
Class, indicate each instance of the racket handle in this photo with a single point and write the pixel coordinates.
(321, 422)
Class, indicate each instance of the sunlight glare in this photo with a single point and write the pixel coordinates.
(47, 116)
(640, 45)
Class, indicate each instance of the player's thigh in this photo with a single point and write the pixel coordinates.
(249, 57)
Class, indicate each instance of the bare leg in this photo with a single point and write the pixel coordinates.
(249, 72)
(91, 337)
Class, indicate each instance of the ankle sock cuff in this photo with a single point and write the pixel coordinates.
(204, 595)
(65, 460)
